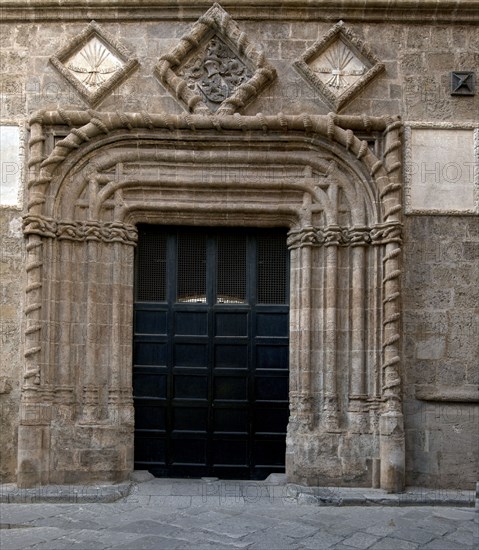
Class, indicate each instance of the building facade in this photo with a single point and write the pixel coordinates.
(240, 239)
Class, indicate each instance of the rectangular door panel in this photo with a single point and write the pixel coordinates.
(149, 353)
(269, 451)
(230, 388)
(190, 419)
(231, 324)
(271, 388)
(232, 419)
(231, 356)
(272, 324)
(151, 321)
(150, 383)
(150, 416)
(211, 351)
(191, 323)
(269, 420)
(190, 386)
(272, 357)
(230, 452)
(150, 449)
(190, 354)
(188, 450)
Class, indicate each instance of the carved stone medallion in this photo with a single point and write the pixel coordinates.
(94, 63)
(215, 72)
(338, 66)
(214, 68)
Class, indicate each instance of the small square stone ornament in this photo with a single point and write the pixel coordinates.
(463, 83)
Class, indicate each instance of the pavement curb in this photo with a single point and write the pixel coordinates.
(293, 493)
(414, 496)
(10, 493)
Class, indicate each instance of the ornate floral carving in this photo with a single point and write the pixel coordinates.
(94, 63)
(339, 66)
(214, 68)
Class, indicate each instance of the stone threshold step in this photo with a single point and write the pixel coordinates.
(274, 486)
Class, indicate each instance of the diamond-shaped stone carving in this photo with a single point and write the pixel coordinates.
(214, 68)
(94, 63)
(339, 66)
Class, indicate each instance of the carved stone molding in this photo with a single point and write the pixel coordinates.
(107, 232)
(345, 236)
(338, 66)
(214, 67)
(94, 63)
(87, 125)
(441, 11)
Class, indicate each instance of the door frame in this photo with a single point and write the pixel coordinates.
(341, 199)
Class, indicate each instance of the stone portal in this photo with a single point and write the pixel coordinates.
(95, 176)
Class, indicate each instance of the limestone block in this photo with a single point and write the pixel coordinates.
(431, 348)
(99, 459)
(11, 301)
(442, 170)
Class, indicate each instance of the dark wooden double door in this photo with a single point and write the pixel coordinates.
(211, 346)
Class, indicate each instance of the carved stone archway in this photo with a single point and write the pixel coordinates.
(93, 176)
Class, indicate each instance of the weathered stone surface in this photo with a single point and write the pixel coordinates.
(96, 408)
(59, 517)
(12, 258)
(66, 300)
(445, 328)
(441, 170)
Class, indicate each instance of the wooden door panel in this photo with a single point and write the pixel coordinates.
(210, 355)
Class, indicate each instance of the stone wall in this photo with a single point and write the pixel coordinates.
(441, 349)
(12, 287)
(440, 269)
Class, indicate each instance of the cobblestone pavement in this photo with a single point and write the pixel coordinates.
(164, 514)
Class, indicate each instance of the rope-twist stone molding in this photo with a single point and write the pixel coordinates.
(33, 310)
(391, 198)
(218, 21)
(335, 128)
